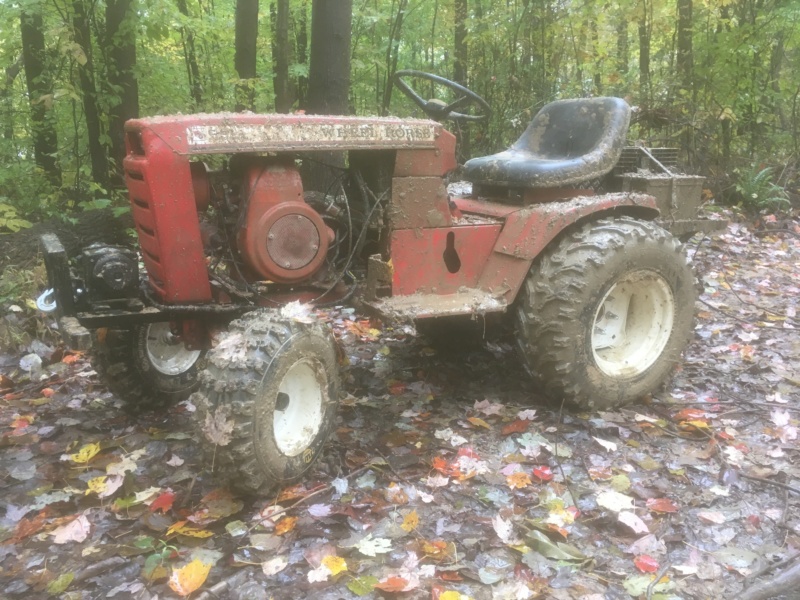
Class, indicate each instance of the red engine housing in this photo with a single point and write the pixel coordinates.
(282, 238)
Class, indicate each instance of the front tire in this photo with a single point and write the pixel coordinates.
(267, 401)
(146, 367)
(604, 315)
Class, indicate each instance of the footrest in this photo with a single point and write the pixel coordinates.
(427, 306)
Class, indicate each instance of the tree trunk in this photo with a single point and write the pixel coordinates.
(329, 76)
(623, 55)
(684, 64)
(644, 54)
(83, 37)
(281, 53)
(45, 139)
(11, 74)
(392, 52)
(244, 59)
(460, 74)
(121, 44)
(302, 51)
(190, 56)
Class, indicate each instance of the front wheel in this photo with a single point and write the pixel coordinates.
(147, 367)
(267, 401)
(605, 314)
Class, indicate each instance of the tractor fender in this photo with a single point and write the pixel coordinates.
(528, 231)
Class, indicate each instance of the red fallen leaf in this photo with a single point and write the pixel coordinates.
(70, 359)
(397, 388)
(392, 584)
(690, 414)
(754, 520)
(468, 452)
(543, 473)
(449, 576)
(662, 505)
(163, 502)
(48, 392)
(517, 426)
(724, 435)
(440, 464)
(646, 564)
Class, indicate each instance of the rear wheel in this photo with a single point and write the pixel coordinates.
(147, 367)
(605, 314)
(267, 401)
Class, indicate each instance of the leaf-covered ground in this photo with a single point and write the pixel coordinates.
(448, 476)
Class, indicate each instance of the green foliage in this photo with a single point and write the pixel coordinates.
(758, 191)
(9, 219)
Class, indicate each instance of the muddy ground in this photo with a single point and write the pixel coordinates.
(448, 475)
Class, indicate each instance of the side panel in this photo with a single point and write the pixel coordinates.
(442, 260)
(419, 202)
(163, 207)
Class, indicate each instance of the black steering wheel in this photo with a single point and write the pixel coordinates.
(438, 110)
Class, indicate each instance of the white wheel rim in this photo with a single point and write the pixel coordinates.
(298, 409)
(167, 353)
(633, 324)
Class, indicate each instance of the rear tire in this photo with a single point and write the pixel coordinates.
(604, 315)
(272, 387)
(146, 367)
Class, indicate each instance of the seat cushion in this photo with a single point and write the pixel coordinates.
(568, 141)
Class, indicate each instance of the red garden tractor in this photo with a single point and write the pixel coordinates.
(602, 297)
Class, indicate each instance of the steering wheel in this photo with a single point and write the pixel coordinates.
(438, 110)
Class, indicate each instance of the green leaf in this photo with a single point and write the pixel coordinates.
(57, 586)
(557, 551)
(361, 586)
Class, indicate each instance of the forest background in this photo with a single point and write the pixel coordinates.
(720, 79)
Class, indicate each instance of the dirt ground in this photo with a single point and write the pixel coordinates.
(448, 476)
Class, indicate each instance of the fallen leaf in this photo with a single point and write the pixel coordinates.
(516, 426)
(392, 584)
(274, 565)
(646, 564)
(543, 473)
(505, 530)
(609, 446)
(361, 586)
(74, 531)
(488, 408)
(335, 564)
(60, 584)
(217, 427)
(614, 501)
(410, 521)
(372, 547)
(527, 415)
(662, 505)
(189, 578)
(85, 454)
(711, 516)
(182, 528)
(633, 521)
(285, 525)
(163, 502)
(319, 511)
(518, 480)
(478, 422)
(104, 486)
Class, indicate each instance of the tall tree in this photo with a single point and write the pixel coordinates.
(329, 75)
(121, 47)
(392, 53)
(281, 53)
(244, 59)
(45, 139)
(190, 57)
(83, 38)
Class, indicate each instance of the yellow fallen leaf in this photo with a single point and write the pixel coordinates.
(335, 564)
(285, 525)
(85, 454)
(478, 422)
(183, 529)
(410, 521)
(188, 578)
(451, 595)
(518, 480)
(97, 485)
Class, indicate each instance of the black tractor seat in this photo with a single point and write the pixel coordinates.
(568, 142)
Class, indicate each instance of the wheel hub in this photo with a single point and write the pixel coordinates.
(299, 407)
(167, 353)
(633, 324)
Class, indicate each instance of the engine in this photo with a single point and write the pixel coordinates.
(279, 237)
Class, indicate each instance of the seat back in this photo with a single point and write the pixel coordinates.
(571, 128)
